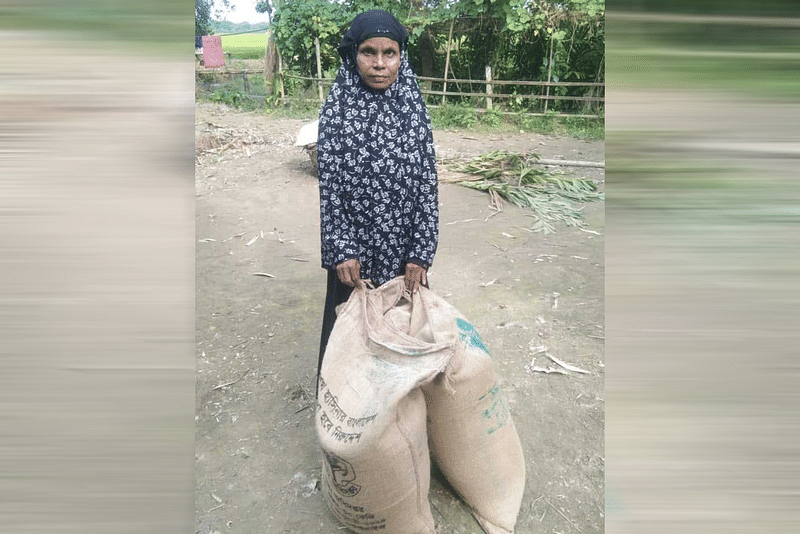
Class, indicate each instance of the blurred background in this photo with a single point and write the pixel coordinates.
(96, 267)
(97, 276)
(703, 257)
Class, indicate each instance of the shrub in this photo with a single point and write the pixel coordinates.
(492, 118)
(449, 116)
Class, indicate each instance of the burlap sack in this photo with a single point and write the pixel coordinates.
(472, 436)
(371, 415)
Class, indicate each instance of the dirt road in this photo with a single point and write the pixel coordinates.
(257, 211)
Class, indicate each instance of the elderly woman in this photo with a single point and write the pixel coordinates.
(379, 213)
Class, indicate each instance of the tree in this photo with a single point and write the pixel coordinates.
(265, 6)
(517, 38)
(204, 13)
(298, 22)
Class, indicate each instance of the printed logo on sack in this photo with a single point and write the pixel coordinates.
(470, 335)
(343, 475)
(497, 412)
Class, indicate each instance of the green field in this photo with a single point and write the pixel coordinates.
(245, 45)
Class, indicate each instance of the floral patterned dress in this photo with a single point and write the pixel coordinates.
(378, 183)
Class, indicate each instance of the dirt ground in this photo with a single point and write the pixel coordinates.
(257, 211)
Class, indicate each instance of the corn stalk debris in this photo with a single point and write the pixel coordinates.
(516, 178)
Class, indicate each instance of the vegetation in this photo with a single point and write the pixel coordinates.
(535, 40)
(245, 45)
(463, 116)
(226, 26)
(517, 178)
(205, 11)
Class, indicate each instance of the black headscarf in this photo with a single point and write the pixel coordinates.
(377, 166)
(374, 23)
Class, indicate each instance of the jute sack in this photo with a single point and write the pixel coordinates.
(472, 436)
(371, 414)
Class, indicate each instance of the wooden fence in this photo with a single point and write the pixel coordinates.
(489, 95)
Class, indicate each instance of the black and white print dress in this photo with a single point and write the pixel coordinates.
(378, 183)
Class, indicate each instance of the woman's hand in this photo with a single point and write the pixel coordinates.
(415, 275)
(349, 273)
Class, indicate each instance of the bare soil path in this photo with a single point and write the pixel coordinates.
(257, 211)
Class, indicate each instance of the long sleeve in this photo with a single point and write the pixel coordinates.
(425, 231)
(336, 228)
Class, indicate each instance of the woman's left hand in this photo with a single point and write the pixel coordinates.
(415, 275)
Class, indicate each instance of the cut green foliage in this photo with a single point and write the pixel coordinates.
(517, 178)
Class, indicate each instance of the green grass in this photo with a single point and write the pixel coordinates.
(451, 116)
(245, 45)
(295, 110)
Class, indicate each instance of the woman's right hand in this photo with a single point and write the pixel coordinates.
(349, 273)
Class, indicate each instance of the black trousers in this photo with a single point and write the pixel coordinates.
(337, 294)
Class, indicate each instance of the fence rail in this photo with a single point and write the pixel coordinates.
(506, 95)
(511, 82)
(489, 95)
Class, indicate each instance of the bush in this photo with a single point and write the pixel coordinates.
(492, 118)
(450, 116)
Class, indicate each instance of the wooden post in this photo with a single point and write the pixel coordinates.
(319, 70)
(447, 63)
(488, 87)
(549, 73)
(246, 82)
(270, 64)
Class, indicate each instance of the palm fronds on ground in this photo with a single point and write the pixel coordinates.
(516, 178)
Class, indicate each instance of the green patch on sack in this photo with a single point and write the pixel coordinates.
(497, 413)
(470, 335)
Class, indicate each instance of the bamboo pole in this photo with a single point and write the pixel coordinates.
(454, 79)
(447, 62)
(488, 87)
(549, 73)
(319, 70)
(592, 90)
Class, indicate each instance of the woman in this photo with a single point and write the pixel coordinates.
(379, 213)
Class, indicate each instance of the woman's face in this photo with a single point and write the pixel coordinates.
(378, 61)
